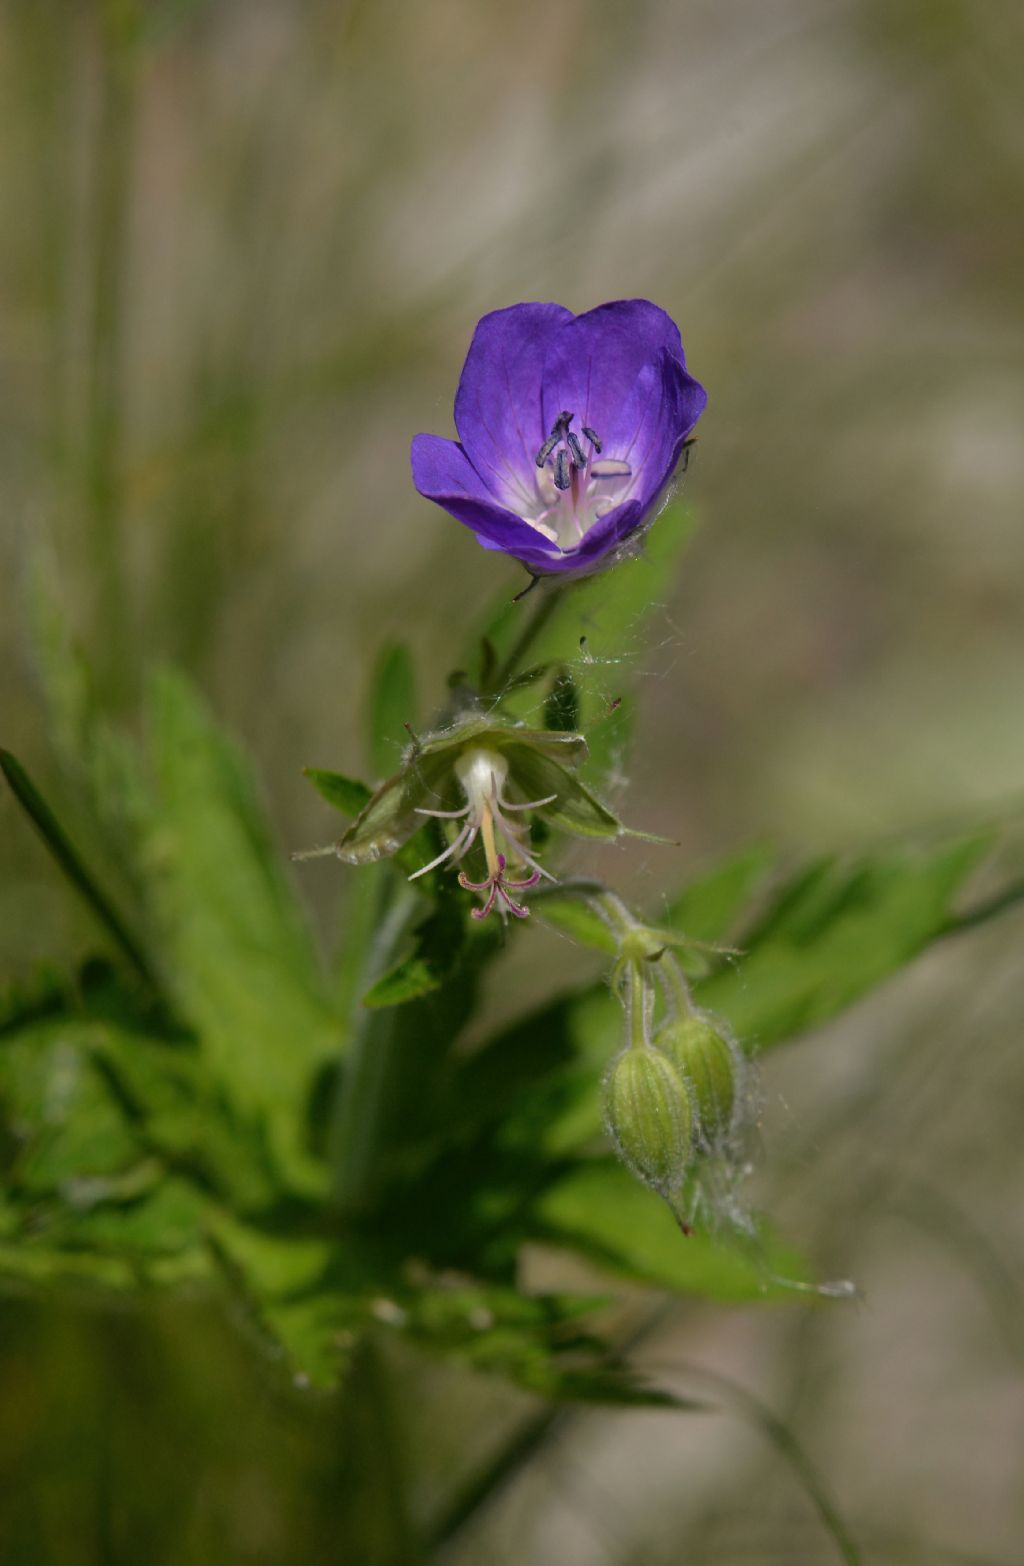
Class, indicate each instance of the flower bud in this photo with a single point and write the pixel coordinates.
(706, 1061)
(648, 1114)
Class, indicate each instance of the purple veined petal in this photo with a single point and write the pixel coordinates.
(443, 473)
(662, 409)
(594, 361)
(498, 411)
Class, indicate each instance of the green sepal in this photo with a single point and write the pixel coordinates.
(575, 809)
(538, 766)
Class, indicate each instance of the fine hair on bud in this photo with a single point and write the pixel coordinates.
(712, 1066)
(649, 1117)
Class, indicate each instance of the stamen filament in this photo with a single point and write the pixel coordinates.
(459, 848)
(530, 804)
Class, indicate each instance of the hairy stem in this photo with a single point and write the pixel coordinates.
(541, 612)
(360, 1105)
(369, 1083)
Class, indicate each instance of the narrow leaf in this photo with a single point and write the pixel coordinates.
(346, 794)
(837, 933)
(438, 943)
(711, 906)
(67, 857)
(392, 707)
(602, 1211)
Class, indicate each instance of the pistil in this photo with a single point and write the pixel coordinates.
(483, 774)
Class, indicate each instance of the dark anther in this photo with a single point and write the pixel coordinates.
(688, 446)
(563, 470)
(576, 449)
(558, 432)
(593, 437)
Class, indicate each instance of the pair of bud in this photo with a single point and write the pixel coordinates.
(670, 1100)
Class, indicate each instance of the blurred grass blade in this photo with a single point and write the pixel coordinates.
(485, 1484)
(926, 1205)
(781, 1437)
(392, 708)
(991, 908)
(70, 862)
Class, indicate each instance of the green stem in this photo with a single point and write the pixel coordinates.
(370, 1083)
(361, 1106)
(541, 613)
(638, 1002)
(676, 987)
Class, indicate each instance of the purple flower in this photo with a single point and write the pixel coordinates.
(570, 427)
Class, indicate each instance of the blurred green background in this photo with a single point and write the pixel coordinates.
(243, 245)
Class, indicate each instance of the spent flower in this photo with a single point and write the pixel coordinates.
(481, 779)
(570, 427)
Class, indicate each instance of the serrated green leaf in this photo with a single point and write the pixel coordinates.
(535, 1341)
(710, 907)
(178, 1111)
(245, 972)
(408, 980)
(285, 1285)
(438, 942)
(346, 794)
(316, 1306)
(167, 1221)
(392, 707)
(834, 934)
(63, 1123)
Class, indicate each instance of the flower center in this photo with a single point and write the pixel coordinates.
(576, 483)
